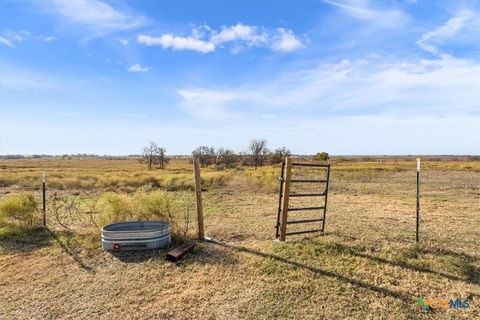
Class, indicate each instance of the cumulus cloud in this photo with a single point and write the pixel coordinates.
(286, 41)
(250, 34)
(205, 39)
(137, 68)
(177, 43)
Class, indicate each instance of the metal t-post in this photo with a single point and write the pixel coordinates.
(44, 200)
(417, 235)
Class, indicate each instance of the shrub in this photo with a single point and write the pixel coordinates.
(153, 206)
(19, 211)
(113, 207)
(322, 156)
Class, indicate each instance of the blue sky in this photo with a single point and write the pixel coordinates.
(346, 77)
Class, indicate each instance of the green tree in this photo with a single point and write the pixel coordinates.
(322, 156)
(279, 155)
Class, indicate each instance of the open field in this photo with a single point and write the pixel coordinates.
(366, 266)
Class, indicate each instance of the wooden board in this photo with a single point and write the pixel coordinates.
(178, 253)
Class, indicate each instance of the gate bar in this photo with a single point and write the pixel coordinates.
(304, 164)
(307, 194)
(309, 180)
(304, 221)
(300, 232)
(306, 208)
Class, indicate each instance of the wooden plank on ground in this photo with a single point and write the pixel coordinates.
(178, 253)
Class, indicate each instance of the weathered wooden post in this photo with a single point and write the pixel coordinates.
(44, 200)
(286, 192)
(198, 196)
(417, 234)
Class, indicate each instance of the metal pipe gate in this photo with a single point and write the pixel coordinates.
(285, 195)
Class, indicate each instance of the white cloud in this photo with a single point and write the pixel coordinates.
(177, 43)
(6, 42)
(250, 34)
(49, 39)
(286, 41)
(137, 68)
(19, 36)
(409, 87)
(430, 40)
(9, 38)
(204, 39)
(363, 10)
(95, 17)
(123, 41)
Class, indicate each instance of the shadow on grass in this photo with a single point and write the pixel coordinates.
(358, 283)
(466, 261)
(62, 240)
(23, 240)
(468, 268)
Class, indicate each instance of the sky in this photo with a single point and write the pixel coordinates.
(342, 76)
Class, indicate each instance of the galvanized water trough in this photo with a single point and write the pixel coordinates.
(136, 235)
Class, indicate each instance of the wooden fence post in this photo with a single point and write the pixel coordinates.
(198, 196)
(286, 193)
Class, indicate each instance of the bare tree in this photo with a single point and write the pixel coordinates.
(225, 157)
(161, 159)
(154, 155)
(258, 151)
(205, 154)
(148, 154)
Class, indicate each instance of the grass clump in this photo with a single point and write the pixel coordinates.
(152, 206)
(19, 211)
(115, 207)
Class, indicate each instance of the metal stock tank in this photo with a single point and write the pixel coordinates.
(136, 235)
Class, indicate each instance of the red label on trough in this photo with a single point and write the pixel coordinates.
(117, 246)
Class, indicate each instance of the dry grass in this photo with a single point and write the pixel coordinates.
(94, 174)
(367, 266)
